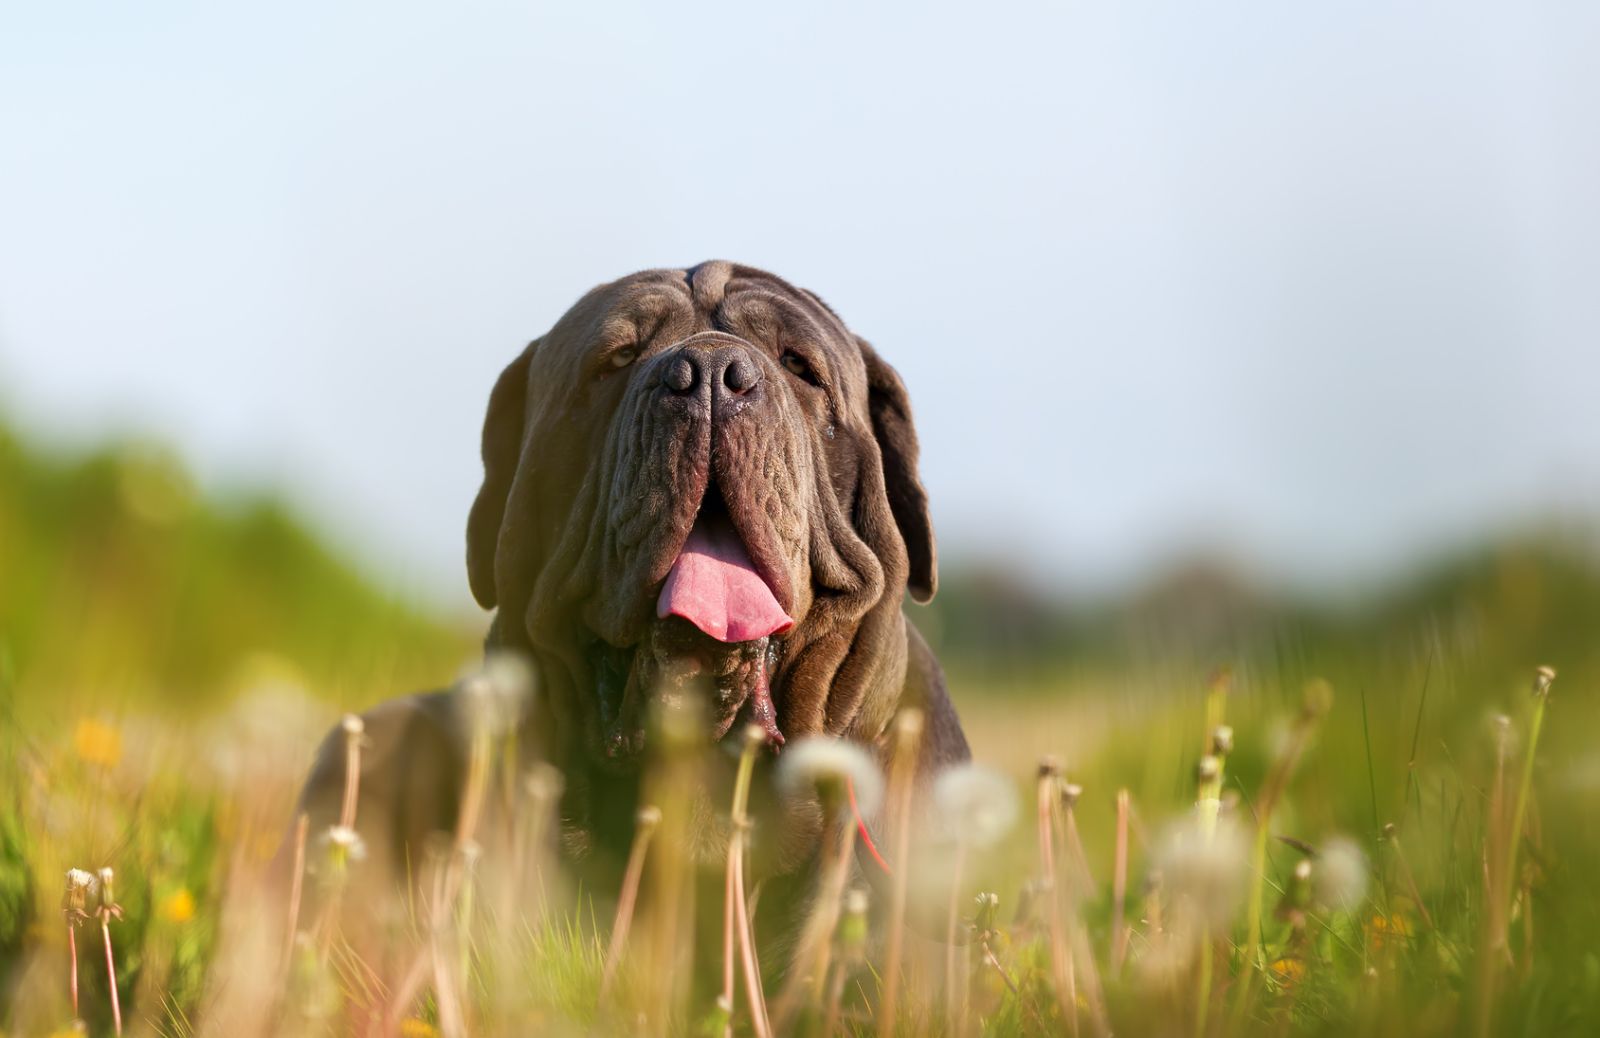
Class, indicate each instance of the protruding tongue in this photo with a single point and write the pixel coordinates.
(714, 586)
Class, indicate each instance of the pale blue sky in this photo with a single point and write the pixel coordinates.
(1315, 284)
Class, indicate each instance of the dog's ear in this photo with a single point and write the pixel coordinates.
(890, 408)
(502, 451)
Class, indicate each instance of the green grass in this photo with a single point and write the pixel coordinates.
(167, 663)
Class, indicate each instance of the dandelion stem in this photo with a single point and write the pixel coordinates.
(754, 739)
(908, 733)
(111, 973)
(72, 951)
(296, 889)
(643, 829)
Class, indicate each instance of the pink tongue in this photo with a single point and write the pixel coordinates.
(714, 586)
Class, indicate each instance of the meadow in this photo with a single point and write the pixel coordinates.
(1202, 810)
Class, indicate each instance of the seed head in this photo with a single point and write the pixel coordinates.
(1070, 792)
(107, 901)
(1205, 872)
(1341, 874)
(978, 805)
(825, 766)
(353, 726)
(80, 885)
(1208, 771)
(1221, 740)
(648, 818)
(1542, 679)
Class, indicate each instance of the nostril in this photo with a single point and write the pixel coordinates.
(679, 376)
(739, 375)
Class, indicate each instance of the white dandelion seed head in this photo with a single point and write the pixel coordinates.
(1204, 871)
(819, 760)
(978, 805)
(1340, 879)
(344, 839)
(78, 879)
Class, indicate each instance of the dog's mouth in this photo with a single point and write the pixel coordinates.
(715, 640)
(715, 586)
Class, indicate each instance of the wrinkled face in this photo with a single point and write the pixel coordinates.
(699, 483)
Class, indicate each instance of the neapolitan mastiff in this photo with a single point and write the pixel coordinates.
(698, 479)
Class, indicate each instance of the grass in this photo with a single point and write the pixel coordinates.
(1395, 837)
(1475, 909)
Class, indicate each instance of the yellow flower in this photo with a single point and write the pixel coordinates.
(177, 907)
(97, 743)
(1289, 970)
(1382, 929)
(414, 1027)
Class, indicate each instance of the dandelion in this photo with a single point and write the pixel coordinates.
(75, 906)
(107, 910)
(829, 767)
(177, 907)
(835, 771)
(907, 738)
(1203, 874)
(736, 912)
(978, 806)
(1341, 877)
(97, 743)
(339, 846)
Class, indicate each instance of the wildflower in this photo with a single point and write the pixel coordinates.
(177, 907)
(97, 743)
(1203, 871)
(1341, 875)
(80, 886)
(339, 845)
(1382, 929)
(1289, 970)
(827, 765)
(978, 805)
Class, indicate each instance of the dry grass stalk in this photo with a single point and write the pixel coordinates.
(754, 739)
(902, 777)
(644, 827)
(109, 909)
(1061, 964)
(297, 878)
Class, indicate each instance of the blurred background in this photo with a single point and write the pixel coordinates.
(1229, 331)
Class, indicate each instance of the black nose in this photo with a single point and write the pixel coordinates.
(715, 376)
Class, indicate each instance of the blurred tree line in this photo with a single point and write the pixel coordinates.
(119, 579)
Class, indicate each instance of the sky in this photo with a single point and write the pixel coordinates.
(1312, 286)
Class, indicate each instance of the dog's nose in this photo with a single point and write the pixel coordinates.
(715, 376)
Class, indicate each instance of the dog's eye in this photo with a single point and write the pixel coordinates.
(796, 365)
(622, 358)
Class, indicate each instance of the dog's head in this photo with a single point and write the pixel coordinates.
(702, 479)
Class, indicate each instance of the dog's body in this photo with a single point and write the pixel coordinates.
(699, 484)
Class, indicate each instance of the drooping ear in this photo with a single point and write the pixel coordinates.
(890, 408)
(502, 450)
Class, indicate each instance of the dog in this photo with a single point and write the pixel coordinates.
(699, 483)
